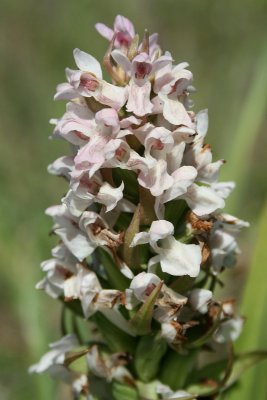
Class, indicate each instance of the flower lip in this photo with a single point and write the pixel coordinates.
(89, 82)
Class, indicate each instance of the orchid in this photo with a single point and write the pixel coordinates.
(143, 239)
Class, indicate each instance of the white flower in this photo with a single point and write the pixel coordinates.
(57, 270)
(199, 300)
(202, 200)
(89, 191)
(66, 227)
(168, 332)
(63, 166)
(143, 284)
(176, 258)
(223, 189)
(229, 330)
(108, 367)
(56, 356)
(76, 124)
(153, 173)
(166, 393)
(222, 241)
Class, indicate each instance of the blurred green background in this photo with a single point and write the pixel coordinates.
(225, 43)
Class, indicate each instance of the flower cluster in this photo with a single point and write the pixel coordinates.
(142, 238)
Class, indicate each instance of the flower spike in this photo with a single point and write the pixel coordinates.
(143, 239)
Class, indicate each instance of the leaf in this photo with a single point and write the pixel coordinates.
(148, 355)
(250, 119)
(123, 221)
(183, 398)
(147, 391)
(115, 277)
(74, 306)
(147, 202)
(202, 390)
(224, 379)
(207, 335)
(123, 392)
(255, 329)
(129, 179)
(141, 322)
(130, 254)
(116, 339)
(242, 363)
(176, 368)
(182, 284)
(211, 371)
(77, 361)
(173, 212)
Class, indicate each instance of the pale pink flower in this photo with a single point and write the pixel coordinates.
(88, 82)
(139, 70)
(123, 30)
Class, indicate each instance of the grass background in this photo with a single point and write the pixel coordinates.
(225, 43)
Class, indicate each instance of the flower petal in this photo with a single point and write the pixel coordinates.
(203, 200)
(174, 111)
(156, 178)
(123, 24)
(111, 95)
(139, 99)
(143, 284)
(87, 63)
(160, 230)
(183, 178)
(179, 259)
(202, 122)
(110, 196)
(122, 60)
(199, 299)
(104, 31)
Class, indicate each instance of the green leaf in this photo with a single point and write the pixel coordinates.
(115, 277)
(129, 179)
(242, 363)
(77, 361)
(116, 339)
(182, 284)
(207, 335)
(100, 389)
(72, 356)
(202, 390)
(211, 371)
(244, 136)
(130, 254)
(141, 322)
(124, 392)
(255, 329)
(176, 368)
(183, 398)
(123, 221)
(173, 212)
(223, 378)
(74, 306)
(147, 391)
(148, 355)
(147, 202)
